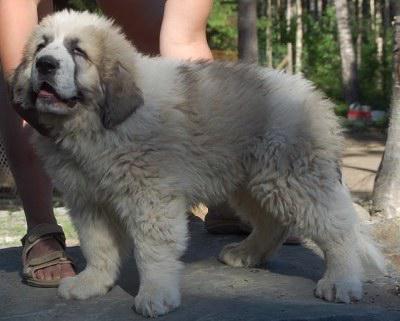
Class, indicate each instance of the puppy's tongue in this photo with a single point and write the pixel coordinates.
(46, 94)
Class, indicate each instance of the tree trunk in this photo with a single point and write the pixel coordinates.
(314, 9)
(299, 36)
(360, 27)
(386, 195)
(349, 68)
(289, 68)
(386, 83)
(373, 14)
(379, 43)
(386, 15)
(269, 34)
(319, 8)
(379, 31)
(288, 16)
(247, 28)
(289, 7)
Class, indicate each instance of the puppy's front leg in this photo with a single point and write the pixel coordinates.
(160, 237)
(103, 245)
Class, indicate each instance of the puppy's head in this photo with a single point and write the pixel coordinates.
(78, 71)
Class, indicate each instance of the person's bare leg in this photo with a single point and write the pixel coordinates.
(172, 28)
(33, 185)
(183, 30)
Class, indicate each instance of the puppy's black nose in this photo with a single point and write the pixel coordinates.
(47, 65)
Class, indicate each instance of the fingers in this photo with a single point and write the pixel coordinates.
(32, 118)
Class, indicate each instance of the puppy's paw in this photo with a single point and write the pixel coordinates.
(239, 255)
(153, 301)
(340, 291)
(82, 287)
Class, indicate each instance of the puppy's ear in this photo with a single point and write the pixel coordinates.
(121, 97)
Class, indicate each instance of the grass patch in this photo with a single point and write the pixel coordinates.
(13, 227)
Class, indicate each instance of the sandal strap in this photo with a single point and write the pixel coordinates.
(44, 261)
(40, 233)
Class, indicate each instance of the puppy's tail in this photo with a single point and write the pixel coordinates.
(369, 250)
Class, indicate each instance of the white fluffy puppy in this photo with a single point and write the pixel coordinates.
(135, 141)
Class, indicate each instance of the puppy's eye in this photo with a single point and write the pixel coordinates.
(40, 46)
(79, 52)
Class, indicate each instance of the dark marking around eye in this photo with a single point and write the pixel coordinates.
(80, 52)
(72, 45)
(43, 43)
(40, 46)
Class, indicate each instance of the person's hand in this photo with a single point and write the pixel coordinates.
(32, 118)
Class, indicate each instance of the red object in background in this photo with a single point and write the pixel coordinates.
(358, 115)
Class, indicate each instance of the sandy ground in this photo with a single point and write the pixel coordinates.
(361, 159)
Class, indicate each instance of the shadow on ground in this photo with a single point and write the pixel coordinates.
(280, 290)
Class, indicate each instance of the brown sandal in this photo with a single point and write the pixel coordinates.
(37, 234)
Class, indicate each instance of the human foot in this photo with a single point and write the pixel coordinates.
(53, 272)
(44, 259)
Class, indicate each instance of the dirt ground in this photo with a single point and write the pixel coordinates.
(361, 159)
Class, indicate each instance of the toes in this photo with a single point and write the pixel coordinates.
(67, 271)
(49, 273)
(83, 286)
(339, 291)
(40, 275)
(152, 304)
(56, 272)
(325, 290)
(237, 255)
(348, 291)
(342, 297)
(66, 284)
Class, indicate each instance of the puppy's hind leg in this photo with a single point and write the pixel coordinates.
(346, 247)
(266, 237)
(159, 230)
(103, 245)
(319, 207)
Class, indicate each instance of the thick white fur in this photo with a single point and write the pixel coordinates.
(266, 141)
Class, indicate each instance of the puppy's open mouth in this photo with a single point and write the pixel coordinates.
(48, 94)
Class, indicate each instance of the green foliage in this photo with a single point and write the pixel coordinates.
(81, 5)
(321, 54)
(375, 78)
(321, 57)
(280, 37)
(341, 109)
(221, 27)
